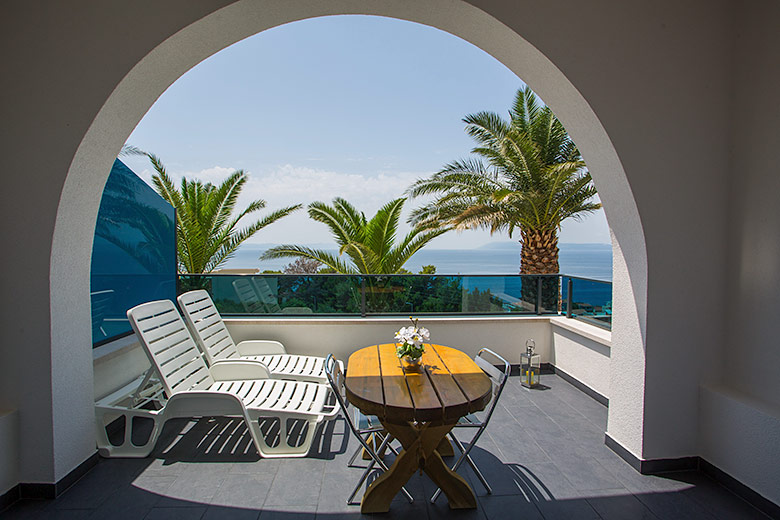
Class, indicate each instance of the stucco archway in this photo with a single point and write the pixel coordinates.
(134, 95)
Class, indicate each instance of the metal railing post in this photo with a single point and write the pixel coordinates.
(362, 297)
(569, 286)
(538, 294)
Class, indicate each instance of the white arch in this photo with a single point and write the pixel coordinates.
(140, 88)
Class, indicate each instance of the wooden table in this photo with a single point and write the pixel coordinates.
(418, 408)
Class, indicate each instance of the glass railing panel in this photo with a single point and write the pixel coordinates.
(413, 294)
(133, 253)
(279, 294)
(373, 295)
(590, 300)
(499, 295)
(313, 294)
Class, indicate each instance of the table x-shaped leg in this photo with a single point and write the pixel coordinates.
(420, 443)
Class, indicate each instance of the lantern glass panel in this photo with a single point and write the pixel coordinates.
(530, 370)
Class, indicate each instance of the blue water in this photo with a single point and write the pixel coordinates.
(585, 260)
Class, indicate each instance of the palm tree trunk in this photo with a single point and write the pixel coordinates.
(539, 251)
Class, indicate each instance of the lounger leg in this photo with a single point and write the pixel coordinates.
(283, 449)
(127, 449)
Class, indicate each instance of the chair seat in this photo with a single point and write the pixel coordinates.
(275, 395)
(366, 422)
(469, 420)
(309, 368)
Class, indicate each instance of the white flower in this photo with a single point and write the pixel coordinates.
(411, 340)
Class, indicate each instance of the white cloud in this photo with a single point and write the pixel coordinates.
(214, 175)
(290, 184)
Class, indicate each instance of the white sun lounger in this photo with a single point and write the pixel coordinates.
(231, 388)
(217, 344)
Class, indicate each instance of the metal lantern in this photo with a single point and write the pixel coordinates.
(530, 366)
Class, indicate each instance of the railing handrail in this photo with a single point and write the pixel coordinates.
(584, 278)
(562, 275)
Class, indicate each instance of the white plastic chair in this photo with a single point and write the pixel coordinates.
(247, 294)
(336, 379)
(217, 344)
(498, 380)
(228, 389)
(257, 297)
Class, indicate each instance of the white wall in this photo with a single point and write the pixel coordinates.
(740, 421)
(116, 364)
(753, 299)
(321, 336)
(583, 352)
(9, 450)
(741, 436)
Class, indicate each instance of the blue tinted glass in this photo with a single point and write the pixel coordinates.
(377, 294)
(591, 300)
(134, 252)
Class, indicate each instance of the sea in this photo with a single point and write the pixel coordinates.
(585, 260)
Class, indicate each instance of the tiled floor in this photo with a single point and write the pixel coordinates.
(543, 454)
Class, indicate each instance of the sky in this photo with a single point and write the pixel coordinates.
(351, 106)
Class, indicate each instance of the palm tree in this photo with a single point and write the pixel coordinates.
(369, 244)
(534, 179)
(207, 234)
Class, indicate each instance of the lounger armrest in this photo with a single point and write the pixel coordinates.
(233, 370)
(202, 403)
(260, 347)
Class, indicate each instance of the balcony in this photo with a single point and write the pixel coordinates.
(543, 453)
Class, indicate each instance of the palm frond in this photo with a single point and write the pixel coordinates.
(293, 251)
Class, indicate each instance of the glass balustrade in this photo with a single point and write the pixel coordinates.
(365, 295)
(587, 299)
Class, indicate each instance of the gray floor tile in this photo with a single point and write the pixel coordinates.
(567, 509)
(669, 506)
(230, 513)
(585, 473)
(543, 454)
(243, 491)
(289, 512)
(176, 513)
(192, 490)
(297, 481)
(441, 509)
(26, 509)
(510, 506)
(516, 445)
(127, 503)
(718, 501)
(621, 507)
(51, 513)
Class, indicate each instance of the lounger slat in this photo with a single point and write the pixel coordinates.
(183, 371)
(286, 396)
(215, 340)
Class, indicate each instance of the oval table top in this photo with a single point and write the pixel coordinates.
(449, 385)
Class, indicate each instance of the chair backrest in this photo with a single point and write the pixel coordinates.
(267, 295)
(336, 379)
(497, 377)
(207, 327)
(101, 303)
(169, 346)
(247, 295)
